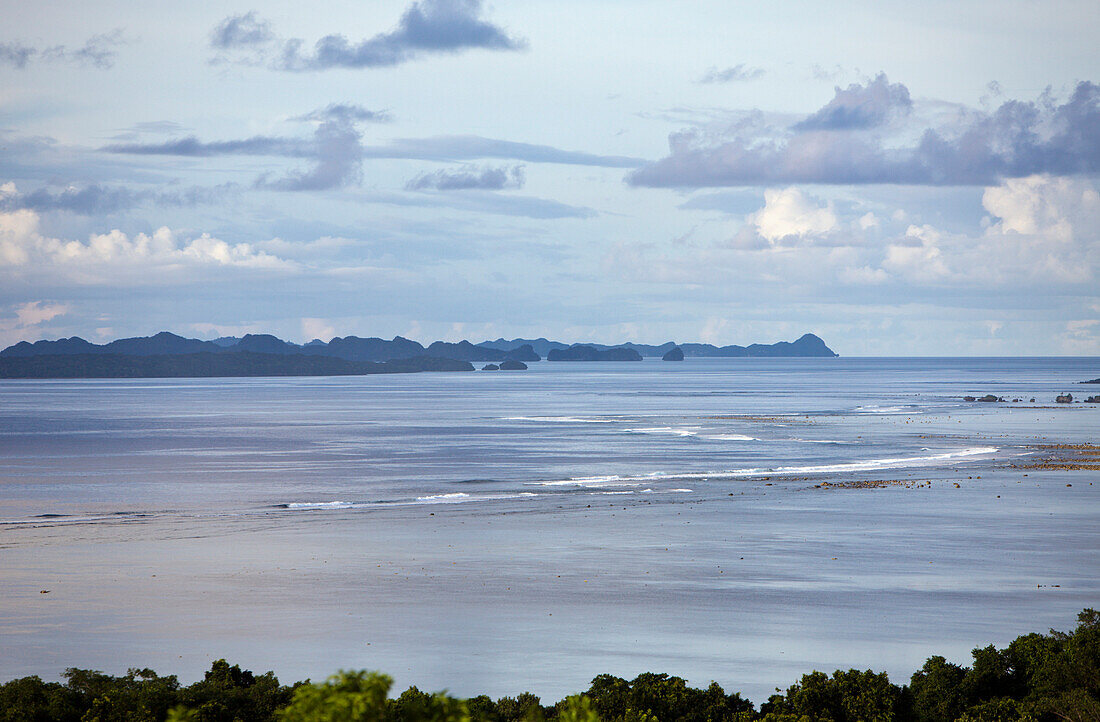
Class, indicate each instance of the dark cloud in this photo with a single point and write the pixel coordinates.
(738, 72)
(16, 54)
(98, 51)
(473, 147)
(338, 151)
(493, 179)
(247, 30)
(96, 199)
(346, 112)
(337, 155)
(192, 146)
(1017, 139)
(426, 26)
(861, 106)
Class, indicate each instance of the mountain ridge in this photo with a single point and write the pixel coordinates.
(357, 349)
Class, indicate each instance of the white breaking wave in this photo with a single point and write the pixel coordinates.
(319, 505)
(869, 465)
(562, 419)
(438, 497)
(887, 410)
(662, 430)
(732, 437)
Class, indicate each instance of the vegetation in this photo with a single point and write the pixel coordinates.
(1037, 678)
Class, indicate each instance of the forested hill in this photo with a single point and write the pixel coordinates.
(354, 348)
(808, 345)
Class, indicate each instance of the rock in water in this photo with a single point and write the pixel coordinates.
(675, 354)
(513, 365)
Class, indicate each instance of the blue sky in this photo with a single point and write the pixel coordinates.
(900, 178)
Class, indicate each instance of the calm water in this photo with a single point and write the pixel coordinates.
(495, 532)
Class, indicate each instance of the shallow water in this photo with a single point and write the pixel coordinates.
(496, 532)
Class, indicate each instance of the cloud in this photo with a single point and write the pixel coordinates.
(861, 106)
(919, 260)
(788, 213)
(97, 51)
(96, 199)
(25, 249)
(27, 318)
(737, 73)
(16, 54)
(348, 112)
(471, 147)
(844, 143)
(192, 146)
(317, 328)
(426, 27)
(336, 149)
(337, 155)
(36, 312)
(1042, 230)
(494, 179)
(241, 31)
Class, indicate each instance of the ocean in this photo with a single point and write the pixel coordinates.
(738, 520)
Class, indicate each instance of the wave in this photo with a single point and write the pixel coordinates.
(316, 505)
(868, 465)
(874, 409)
(731, 437)
(563, 419)
(663, 430)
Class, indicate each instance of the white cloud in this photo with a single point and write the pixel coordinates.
(923, 262)
(27, 319)
(317, 328)
(863, 275)
(789, 213)
(1041, 205)
(24, 248)
(36, 312)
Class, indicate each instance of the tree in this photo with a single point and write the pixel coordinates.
(937, 691)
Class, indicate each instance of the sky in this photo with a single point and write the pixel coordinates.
(900, 178)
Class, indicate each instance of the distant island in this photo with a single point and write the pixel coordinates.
(584, 352)
(808, 345)
(167, 355)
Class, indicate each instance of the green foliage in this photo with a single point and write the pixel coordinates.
(344, 697)
(664, 698)
(524, 708)
(228, 693)
(937, 690)
(851, 696)
(416, 706)
(140, 696)
(577, 708)
(361, 697)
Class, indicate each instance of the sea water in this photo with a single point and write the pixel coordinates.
(506, 531)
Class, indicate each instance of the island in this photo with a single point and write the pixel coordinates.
(584, 352)
(169, 355)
